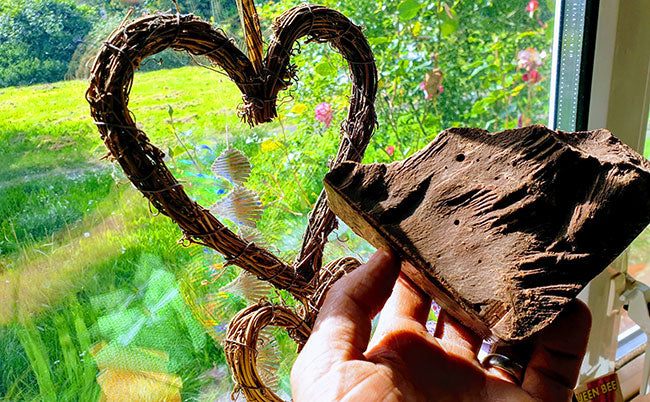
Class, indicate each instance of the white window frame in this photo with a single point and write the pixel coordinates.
(619, 100)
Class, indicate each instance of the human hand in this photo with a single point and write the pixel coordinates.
(403, 362)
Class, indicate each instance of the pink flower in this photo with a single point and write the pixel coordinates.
(440, 89)
(525, 77)
(427, 95)
(390, 150)
(324, 113)
(530, 58)
(532, 7)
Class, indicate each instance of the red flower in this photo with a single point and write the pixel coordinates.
(534, 76)
(532, 7)
(390, 150)
(427, 95)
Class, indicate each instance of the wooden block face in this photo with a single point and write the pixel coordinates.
(503, 229)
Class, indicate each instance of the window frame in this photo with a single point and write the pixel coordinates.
(614, 93)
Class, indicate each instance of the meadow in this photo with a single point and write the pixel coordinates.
(74, 233)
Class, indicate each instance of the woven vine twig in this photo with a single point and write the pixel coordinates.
(252, 33)
(325, 25)
(245, 327)
(241, 341)
(110, 85)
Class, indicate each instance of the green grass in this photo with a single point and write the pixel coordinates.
(48, 127)
(73, 230)
(53, 174)
(195, 91)
(68, 233)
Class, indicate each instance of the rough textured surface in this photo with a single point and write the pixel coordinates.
(503, 229)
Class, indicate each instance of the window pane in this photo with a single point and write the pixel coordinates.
(639, 260)
(96, 296)
(576, 46)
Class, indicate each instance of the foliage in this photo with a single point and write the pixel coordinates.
(218, 10)
(75, 375)
(47, 40)
(38, 38)
(474, 46)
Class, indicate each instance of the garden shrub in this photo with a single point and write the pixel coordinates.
(38, 38)
(441, 64)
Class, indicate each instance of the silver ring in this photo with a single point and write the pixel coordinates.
(505, 364)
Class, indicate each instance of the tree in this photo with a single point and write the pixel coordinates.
(38, 38)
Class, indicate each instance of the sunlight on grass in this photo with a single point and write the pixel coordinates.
(26, 106)
(43, 282)
(69, 236)
(202, 98)
(47, 134)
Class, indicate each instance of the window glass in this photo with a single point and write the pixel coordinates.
(574, 59)
(97, 298)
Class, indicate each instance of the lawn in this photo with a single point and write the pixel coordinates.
(84, 263)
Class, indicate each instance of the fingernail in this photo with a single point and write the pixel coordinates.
(379, 255)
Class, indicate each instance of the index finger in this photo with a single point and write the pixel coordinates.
(343, 326)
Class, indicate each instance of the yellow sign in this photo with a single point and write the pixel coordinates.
(602, 389)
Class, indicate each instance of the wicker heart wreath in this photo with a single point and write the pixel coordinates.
(259, 79)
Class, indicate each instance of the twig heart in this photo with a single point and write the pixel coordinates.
(108, 95)
(260, 81)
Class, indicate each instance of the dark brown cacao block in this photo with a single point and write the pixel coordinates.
(502, 229)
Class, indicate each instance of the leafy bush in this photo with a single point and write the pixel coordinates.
(38, 38)
(475, 45)
(441, 64)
